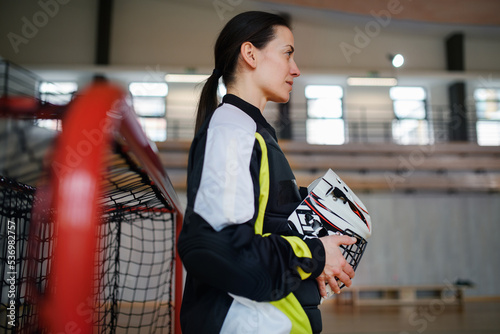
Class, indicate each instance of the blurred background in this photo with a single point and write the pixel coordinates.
(401, 98)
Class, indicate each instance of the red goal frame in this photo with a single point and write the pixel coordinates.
(91, 122)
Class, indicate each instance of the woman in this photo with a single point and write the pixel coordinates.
(247, 272)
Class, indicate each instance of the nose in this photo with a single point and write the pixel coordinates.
(294, 69)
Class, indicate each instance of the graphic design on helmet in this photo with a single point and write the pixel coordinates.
(331, 207)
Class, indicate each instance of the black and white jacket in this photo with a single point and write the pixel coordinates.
(247, 272)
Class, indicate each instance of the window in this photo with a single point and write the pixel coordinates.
(58, 93)
(221, 90)
(324, 124)
(149, 101)
(155, 128)
(488, 116)
(411, 125)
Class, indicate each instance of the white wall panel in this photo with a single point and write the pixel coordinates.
(433, 239)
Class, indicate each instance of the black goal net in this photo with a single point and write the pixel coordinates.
(133, 279)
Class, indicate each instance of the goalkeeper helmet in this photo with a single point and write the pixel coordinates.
(331, 207)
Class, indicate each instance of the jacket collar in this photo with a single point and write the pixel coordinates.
(250, 110)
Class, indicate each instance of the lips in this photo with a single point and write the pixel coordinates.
(290, 83)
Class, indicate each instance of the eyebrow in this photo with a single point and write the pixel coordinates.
(291, 47)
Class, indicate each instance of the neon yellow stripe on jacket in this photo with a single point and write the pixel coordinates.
(263, 183)
(301, 250)
(289, 305)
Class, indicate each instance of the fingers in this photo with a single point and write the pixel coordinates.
(345, 278)
(325, 289)
(336, 266)
(337, 240)
(349, 270)
(322, 286)
(346, 240)
(335, 280)
(334, 285)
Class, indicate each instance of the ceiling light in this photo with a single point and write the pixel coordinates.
(398, 60)
(323, 91)
(188, 78)
(148, 88)
(371, 81)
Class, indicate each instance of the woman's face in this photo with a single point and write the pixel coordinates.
(276, 67)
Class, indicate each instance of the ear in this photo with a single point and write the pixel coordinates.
(248, 53)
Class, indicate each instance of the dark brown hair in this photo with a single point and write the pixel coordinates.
(254, 27)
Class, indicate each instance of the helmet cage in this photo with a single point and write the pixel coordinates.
(354, 252)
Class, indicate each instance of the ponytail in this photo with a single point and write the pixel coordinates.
(208, 99)
(254, 27)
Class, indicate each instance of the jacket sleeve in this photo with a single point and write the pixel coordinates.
(218, 243)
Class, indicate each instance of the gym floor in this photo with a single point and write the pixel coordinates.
(474, 317)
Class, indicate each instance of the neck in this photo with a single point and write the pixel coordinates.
(246, 90)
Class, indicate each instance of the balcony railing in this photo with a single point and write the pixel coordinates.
(361, 125)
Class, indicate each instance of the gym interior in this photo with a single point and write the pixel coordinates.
(400, 98)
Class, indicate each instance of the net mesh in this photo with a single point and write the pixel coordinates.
(135, 258)
(16, 201)
(23, 146)
(139, 267)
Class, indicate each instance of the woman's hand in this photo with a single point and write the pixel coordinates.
(336, 265)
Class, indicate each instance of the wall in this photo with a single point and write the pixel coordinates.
(57, 34)
(433, 238)
(418, 238)
(181, 33)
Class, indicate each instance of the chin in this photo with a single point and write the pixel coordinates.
(281, 99)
